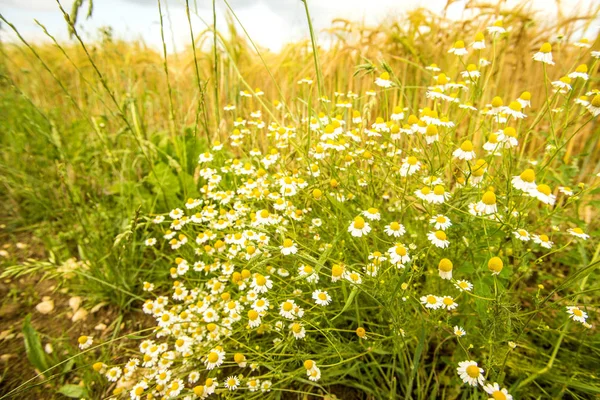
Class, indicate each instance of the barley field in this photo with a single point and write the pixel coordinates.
(400, 211)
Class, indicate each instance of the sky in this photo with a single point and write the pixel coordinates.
(270, 23)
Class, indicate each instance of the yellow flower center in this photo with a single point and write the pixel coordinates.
(440, 235)
(577, 312)
(497, 102)
(459, 44)
(445, 265)
(489, 198)
(359, 222)
(473, 371)
(287, 306)
(467, 145)
(495, 264)
(515, 106)
(337, 270)
(394, 226)
(528, 176)
(498, 395)
(596, 100)
(525, 96)
(545, 189)
(431, 299)
(288, 243)
(412, 160)
(400, 250)
(252, 315)
(441, 220)
(432, 130)
(385, 76)
(322, 296)
(448, 301)
(260, 280)
(546, 48)
(213, 357)
(438, 190)
(479, 37)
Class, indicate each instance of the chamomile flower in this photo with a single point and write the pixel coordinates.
(459, 331)
(372, 214)
(150, 242)
(495, 265)
(522, 235)
(576, 314)
(438, 238)
(288, 247)
(465, 286)
(497, 28)
(496, 392)
(431, 301)
(525, 99)
(543, 193)
(214, 358)
(438, 195)
(445, 268)
(594, 106)
(543, 240)
(545, 54)
(465, 151)
(298, 330)
(470, 373)
(441, 222)
(478, 41)
(487, 205)
(394, 229)
(458, 49)
(85, 341)
(359, 227)
(448, 303)
(321, 297)
(398, 254)
(579, 233)
(580, 72)
(232, 383)
(384, 80)
(514, 109)
(525, 181)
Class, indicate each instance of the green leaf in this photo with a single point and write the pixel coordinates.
(73, 391)
(348, 302)
(33, 346)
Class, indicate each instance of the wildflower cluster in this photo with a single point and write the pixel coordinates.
(317, 237)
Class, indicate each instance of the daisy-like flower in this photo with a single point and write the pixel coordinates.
(288, 247)
(583, 43)
(525, 99)
(496, 392)
(150, 242)
(438, 238)
(576, 314)
(359, 227)
(353, 277)
(545, 54)
(384, 80)
(578, 232)
(543, 240)
(254, 320)
(563, 85)
(372, 214)
(508, 137)
(261, 283)
(85, 341)
(487, 205)
(441, 222)
(465, 151)
(514, 109)
(395, 229)
(445, 268)
(525, 181)
(458, 48)
(580, 72)
(522, 235)
(493, 144)
(397, 114)
(431, 301)
(321, 297)
(497, 28)
(459, 331)
(431, 134)
(544, 194)
(232, 383)
(495, 265)
(567, 191)
(113, 374)
(298, 330)
(594, 106)
(448, 303)
(470, 373)
(465, 286)
(478, 41)
(438, 195)
(287, 309)
(214, 358)
(398, 254)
